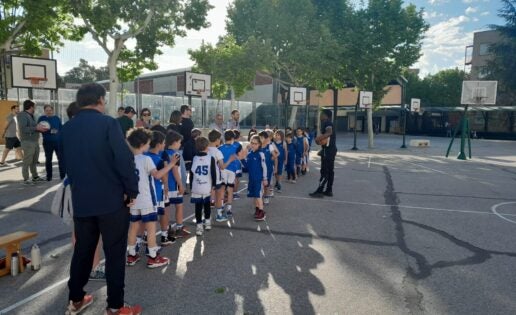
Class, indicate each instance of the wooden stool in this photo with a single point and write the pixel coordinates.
(12, 244)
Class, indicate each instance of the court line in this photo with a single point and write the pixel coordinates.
(55, 285)
(493, 209)
(399, 206)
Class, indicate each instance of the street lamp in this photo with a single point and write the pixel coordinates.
(404, 106)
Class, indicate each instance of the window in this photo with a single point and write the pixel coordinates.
(484, 49)
(483, 72)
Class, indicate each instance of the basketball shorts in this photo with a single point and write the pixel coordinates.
(174, 197)
(12, 143)
(200, 198)
(254, 189)
(144, 215)
(228, 178)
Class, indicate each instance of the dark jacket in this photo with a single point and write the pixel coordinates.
(126, 123)
(98, 163)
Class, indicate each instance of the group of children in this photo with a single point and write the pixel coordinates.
(214, 176)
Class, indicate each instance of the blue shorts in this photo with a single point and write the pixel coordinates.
(174, 198)
(144, 215)
(254, 189)
(298, 159)
(269, 174)
(161, 210)
(279, 171)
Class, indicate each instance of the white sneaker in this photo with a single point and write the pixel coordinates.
(199, 230)
(207, 224)
(266, 200)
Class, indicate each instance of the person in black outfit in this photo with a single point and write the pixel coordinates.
(188, 145)
(327, 153)
(104, 183)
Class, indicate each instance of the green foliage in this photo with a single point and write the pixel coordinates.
(502, 66)
(441, 89)
(31, 25)
(86, 73)
(151, 23)
(232, 66)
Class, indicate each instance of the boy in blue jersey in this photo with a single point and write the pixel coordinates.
(281, 146)
(50, 141)
(271, 154)
(144, 209)
(238, 164)
(257, 169)
(291, 158)
(157, 146)
(301, 151)
(175, 184)
(229, 174)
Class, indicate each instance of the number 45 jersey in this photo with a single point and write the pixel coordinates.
(204, 174)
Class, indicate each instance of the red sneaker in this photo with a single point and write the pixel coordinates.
(260, 216)
(157, 261)
(256, 212)
(132, 260)
(126, 310)
(77, 307)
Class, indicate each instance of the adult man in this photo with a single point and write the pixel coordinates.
(11, 139)
(103, 182)
(185, 129)
(126, 120)
(29, 137)
(218, 124)
(328, 152)
(234, 122)
(50, 143)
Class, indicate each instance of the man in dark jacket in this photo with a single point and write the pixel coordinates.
(103, 182)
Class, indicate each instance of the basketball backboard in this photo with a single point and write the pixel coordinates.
(28, 72)
(366, 99)
(415, 105)
(297, 96)
(478, 92)
(198, 84)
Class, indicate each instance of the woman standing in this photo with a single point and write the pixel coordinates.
(145, 119)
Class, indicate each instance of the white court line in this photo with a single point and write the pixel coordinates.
(55, 285)
(399, 206)
(493, 208)
(369, 163)
(429, 168)
(30, 202)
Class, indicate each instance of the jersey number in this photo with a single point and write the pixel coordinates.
(201, 170)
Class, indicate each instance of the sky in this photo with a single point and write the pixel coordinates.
(452, 24)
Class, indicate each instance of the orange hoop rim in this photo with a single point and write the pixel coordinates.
(36, 80)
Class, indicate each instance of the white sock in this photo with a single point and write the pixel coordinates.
(164, 233)
(153, 251)
(131, 249)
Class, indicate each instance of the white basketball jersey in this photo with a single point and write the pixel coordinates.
(201, 169)
(146, 196)
(213, 151)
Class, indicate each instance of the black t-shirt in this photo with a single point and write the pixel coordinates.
(186, 129)
(325, 124)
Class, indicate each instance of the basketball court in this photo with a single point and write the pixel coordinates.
(407, 232)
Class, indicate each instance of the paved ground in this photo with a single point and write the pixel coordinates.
(408, 232)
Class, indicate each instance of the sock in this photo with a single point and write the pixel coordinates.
(219, 211)
(228, 207)
(153, 251)
(164, 233)
(179, 227)
(131, 250)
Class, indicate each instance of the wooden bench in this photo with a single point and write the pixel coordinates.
(419, 143)
(12, 244)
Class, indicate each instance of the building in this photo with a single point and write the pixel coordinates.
(481, 54)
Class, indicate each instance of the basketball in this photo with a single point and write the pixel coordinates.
(44, 124)
(320, 141)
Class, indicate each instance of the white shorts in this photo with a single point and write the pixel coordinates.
(200, 198)
(144, 215)
(228, 178)
(174, 197)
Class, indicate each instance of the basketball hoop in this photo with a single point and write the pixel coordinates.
(37, 82)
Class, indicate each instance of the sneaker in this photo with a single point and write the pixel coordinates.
(207, 224)
(266, 200)
(4, 164)
(199, 230)
(157, 261)
(97, 275)
(38, 179)
(293, 181)
(132, 260)
(221, 217)
(78, 307)
(260, 216)
(316, 194)
(144, 239)
(229, 214)
(126, 310)
(166, 240)
(236, 196)
(28, 182)
(328, 193)
(256, 213)
(182, 233)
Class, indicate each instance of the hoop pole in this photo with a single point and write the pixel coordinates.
(404, 146)
(354, 148)
(469, 139)
(462, 154)
(451, 141)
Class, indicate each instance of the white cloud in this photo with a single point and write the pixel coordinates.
(437, 2)
(485, 13)
(432, 14)
(445, 42)
(471, 10)
(469, 1)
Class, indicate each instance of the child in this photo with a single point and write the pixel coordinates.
(228, 175)
(203, 176)
(143, 208)
(157, 145)
(175, 183)
(291, 158)
(238, 165)
(214, 137)
(279, 142)
(301, 151)
(257, 168)
(271, 154)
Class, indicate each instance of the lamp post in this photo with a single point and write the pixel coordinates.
(404, 106)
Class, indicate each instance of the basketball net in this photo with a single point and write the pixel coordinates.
(37, 82)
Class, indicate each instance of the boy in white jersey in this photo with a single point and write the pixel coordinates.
(203, 176)
(144, 209)
(215, 138)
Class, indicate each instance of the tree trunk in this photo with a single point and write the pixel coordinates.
(113, 86)
(370, 133)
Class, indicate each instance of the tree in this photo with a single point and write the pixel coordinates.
(503, 65)
(442, 89)
(85, 73)
(386, 39)
(28, 25)
(150, 23)
(233, 67)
